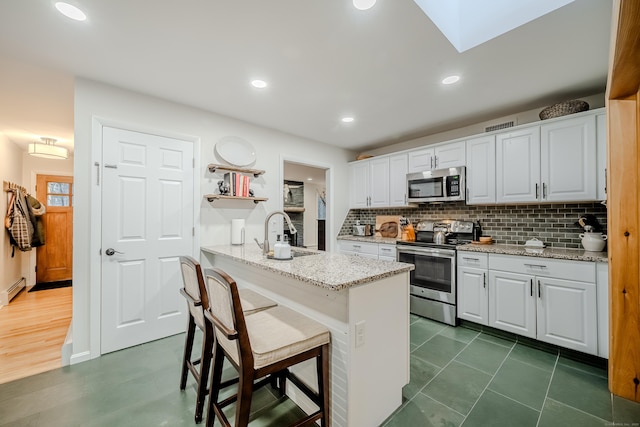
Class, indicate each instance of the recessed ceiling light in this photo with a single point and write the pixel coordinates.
(347, 119)
(260, 84)
(364, 4)
(70, 11)
(309, 179)
(450, 80)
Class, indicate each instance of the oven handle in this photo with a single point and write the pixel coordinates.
(438, 253)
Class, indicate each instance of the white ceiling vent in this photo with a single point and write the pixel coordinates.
(500, 126)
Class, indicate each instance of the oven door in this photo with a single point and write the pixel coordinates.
(434, 276)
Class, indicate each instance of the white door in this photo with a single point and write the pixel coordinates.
(568, 160)
(421, 160)
(359, 184)
(147, 223)
(481, 170)
(450, 155)
(512, 305)
(398, 167)
(518, 166)
(566, 312)
(379, 182)
(473, 300)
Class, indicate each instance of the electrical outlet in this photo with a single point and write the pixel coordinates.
(360, 332)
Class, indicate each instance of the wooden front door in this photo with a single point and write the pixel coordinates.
(54, 259)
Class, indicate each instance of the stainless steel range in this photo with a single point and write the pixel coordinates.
(433, 282)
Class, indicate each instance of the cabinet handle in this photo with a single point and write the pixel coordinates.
(539, 291)
(436, 157)
(470, 259)
(535, 265)
(536, 190)
(484, 280)
(431, 158)
(467, 194)
(97, 165)
(405, 199)
(544, 190)
(531, 286)
(605, 180)
(357, 246)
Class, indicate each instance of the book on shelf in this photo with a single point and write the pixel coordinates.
(237, 183)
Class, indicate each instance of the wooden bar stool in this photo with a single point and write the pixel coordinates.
(195, 292)
(262, 347)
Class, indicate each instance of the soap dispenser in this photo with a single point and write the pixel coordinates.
(277, 248)
(285, 251)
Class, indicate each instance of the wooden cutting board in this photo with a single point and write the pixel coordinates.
(388, 226)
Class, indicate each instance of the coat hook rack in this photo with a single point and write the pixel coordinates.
(9, 186)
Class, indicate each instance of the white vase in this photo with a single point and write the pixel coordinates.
(593, 242)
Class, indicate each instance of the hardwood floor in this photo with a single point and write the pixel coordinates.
(32, 330)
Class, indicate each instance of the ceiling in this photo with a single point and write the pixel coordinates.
(322, 60)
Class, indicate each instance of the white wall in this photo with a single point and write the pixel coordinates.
(142, 112)
(524, 117)
(311, 214)
(10, 170)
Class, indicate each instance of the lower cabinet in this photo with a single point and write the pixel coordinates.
(381, 251)
(550, 300)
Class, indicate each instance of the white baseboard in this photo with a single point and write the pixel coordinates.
(80, 357)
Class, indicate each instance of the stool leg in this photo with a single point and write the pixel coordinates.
(214, 387)
(245, 393)
(205, 365)
(323, 384)
(188, 346)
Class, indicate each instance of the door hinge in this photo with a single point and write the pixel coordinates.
(193, 231)
(193, 163)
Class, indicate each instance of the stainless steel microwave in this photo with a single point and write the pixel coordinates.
(441, 185)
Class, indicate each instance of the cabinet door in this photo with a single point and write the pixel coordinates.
(449, 155)
(518, 166)
(601, 160)
(379, 182)
(473, 297)
(566, 312)
(398, 167)
(568, 160)
(359, 185)
(602, 284)
(481, 170)
(512, 305)
(421, 160)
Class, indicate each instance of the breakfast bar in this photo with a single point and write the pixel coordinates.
(365, 305)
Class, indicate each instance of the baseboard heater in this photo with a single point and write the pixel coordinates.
(7, 295)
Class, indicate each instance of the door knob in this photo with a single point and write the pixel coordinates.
(112, 251)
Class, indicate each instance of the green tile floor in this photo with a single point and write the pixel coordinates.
(462, 377)
(458, 377)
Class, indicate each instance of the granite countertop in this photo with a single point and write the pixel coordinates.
(557, 253)
(328, 270)
(370, 239)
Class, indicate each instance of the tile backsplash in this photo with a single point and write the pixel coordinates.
(554, 224)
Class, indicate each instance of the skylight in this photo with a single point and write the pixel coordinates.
(469, 23)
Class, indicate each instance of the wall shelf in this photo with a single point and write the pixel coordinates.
(214, 197)
(293, 209)
(215, 167)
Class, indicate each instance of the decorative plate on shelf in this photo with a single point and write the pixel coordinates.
(236, 151)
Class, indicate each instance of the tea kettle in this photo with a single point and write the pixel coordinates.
(440, 233)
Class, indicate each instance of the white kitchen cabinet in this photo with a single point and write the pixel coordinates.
(512, 306)
(359, 185)
(567, 314)
(398, 169)
(601, 161)
(518, 166)
(481, 170)
(550, 300)
(442, 156)
(421, 160)
(568, 160)
(363, 249)
(473, 293)
(386, 252)
(602, 281)
(369, 183)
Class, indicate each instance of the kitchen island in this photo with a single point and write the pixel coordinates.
(365, 305)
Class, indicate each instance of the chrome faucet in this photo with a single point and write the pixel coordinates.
(265, 245)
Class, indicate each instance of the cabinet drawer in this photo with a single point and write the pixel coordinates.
(387, 251)
(473, 259)
(359, 247)
(581, 271)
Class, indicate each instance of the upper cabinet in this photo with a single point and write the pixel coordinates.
(518, 166)
(568, 160)
(601, 150)
(442, 156)
(359, 184)
(398, 168)
(369, 183)
(553, 162)
(481, 170)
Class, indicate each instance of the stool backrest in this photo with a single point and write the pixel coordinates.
(194, 289)
(227, 316)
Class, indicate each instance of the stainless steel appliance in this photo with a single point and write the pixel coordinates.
(433, 281)
(442, 185)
